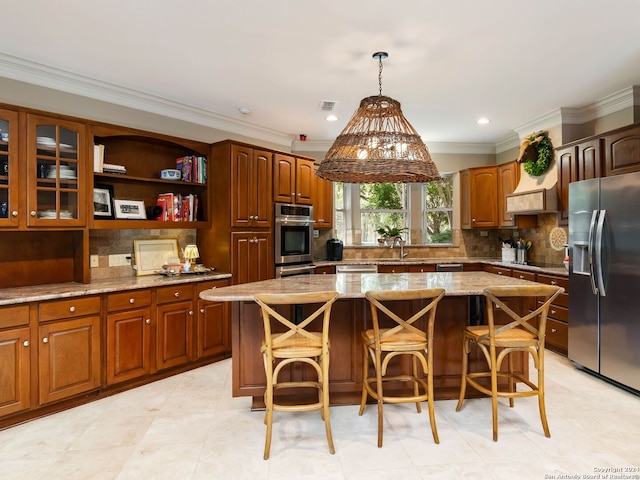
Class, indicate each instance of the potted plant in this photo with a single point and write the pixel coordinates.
(390, 232)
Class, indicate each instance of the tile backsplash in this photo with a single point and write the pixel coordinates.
(466, 243)
(117, 242)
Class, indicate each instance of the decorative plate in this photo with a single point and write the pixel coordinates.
(558, 238)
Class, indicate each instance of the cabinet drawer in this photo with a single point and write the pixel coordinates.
(70, 308)
(553, 280)
(202, 286)
(175, 293)
(499, 271)
(14, 316)
(557, 334)
(422, 268)
(524, 275)
(557, 312)
(130, 299)
(393, 269)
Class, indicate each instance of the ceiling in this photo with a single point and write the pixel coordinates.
(449, 62)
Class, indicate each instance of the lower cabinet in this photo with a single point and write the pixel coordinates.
(252, 256)
(213, 333)
(557, 338)
(15, 359)
(175, 325)
(68, 348)
(129, 333)
(86, 345)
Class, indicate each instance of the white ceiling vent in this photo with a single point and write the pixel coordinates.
(327, 105)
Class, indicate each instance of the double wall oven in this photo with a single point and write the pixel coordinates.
(293, 239)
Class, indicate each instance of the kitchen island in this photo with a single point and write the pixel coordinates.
(350, 316)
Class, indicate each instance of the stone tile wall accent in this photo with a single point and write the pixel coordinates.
(112, 242)
(466, 243)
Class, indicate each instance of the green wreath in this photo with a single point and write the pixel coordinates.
(536, 152)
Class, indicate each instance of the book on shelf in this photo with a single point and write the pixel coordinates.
(112, 168)
(98, 158)
(178, 208)
(193, 168)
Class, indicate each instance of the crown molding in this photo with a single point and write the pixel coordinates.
(621, 100)
(508, 143)
(434, 147)
(49, 77)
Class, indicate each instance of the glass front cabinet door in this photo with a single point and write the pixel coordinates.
(8, 168)
(56, 169)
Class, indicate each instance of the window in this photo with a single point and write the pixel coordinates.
(438, 211)
(361, 209)
(382, 205)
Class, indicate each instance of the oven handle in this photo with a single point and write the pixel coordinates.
(294, 221)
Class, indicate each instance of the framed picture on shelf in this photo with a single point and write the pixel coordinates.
(151, 255)
(130, 209)
(103, 202)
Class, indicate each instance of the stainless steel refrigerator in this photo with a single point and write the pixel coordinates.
(604, 277)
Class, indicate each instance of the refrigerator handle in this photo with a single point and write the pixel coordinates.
(599, 231)
(591, 248)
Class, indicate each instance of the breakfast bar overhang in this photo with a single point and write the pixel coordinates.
(350, 316)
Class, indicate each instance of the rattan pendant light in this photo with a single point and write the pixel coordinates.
(378, 145)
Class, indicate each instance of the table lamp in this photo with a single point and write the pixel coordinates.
(190, 254)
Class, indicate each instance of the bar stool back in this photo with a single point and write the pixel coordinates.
(381, 345)
(523, 333)
(296, 344)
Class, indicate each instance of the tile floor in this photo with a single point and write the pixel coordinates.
(189, 427)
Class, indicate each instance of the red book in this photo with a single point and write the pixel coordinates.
(169, 207)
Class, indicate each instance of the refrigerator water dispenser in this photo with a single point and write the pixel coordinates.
(580, 258)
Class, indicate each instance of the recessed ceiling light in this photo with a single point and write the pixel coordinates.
(244, 110)
(483, 121)
(331, 118)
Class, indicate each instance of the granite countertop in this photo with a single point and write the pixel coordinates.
(37, 293)
(559, 270)
(354, 285)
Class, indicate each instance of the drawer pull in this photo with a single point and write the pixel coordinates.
(522, 277)
(553, 282)
(25, 343)
(177, 294)
(553, 330)
(499, 273)
(132, 301)
(45, 340)
(72, 309)
(147, 321)
(553, 312)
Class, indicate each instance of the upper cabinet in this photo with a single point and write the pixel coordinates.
(622, 151)
(612, 153)
(294, 179)
(483, 191)
(251, 182)
(9, 208)
(56, 162)
(323, 204)
(479, 197)
(140, 157)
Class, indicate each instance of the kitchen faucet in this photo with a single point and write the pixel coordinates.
(399, 241)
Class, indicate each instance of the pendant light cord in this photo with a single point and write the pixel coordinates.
(380, 75)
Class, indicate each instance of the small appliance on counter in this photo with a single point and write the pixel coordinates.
(334, 249)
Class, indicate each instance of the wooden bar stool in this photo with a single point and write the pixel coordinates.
(403, 338)
(523, 333)
(296, 344)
